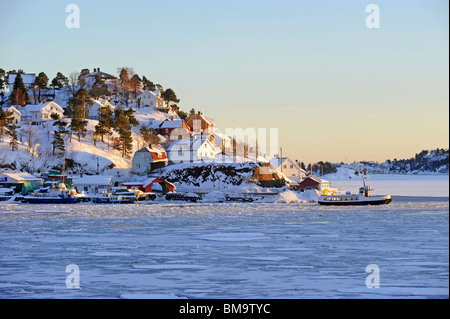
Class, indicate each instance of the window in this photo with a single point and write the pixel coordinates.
(284, 166)
(292, 166)
(138, 165)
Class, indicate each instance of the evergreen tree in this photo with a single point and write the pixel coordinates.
(149, 135)
(105, 123)
(12, 132)
(59, 81)
(123, 127)
(5, 119)
(99, 88)
(19, 95)
(78, 110)
(58, 140)
(170, 96)
(147, 84)
(41, 82)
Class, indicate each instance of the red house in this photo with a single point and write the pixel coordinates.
(147, 185)
(313, 181)
(182, 129)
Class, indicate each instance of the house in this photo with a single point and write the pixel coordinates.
(148, 186)
(148, 159)
(191, 150)
(315, 182)
(17, 115)
(220, 140)
(23, 182)
(153, 99)
(179, 128)
(93, 184)
(39, 113)
(97, 105)
(200, 123)
(28, 80)
(266, 175)
(289, 168)
(90, 78)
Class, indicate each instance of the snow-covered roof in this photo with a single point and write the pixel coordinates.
(154, 93)
(93, 180)
(11, 108)
(20, 176)
(189, 144)
(152, 149)
(103, 75)
(28, 78)
(40, 106)
(171, 124)
(317, 179)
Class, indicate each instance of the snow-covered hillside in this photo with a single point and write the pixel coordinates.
(81, 157)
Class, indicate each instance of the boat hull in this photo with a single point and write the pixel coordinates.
(356, 203)
(354, 200)
(51, 200)
(100, 200)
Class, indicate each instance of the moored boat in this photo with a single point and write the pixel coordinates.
(59, 194)
(362, 198)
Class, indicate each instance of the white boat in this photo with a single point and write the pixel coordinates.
(362, 198)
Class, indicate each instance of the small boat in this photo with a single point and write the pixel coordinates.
(59, 194)
(116, 198)
(363, 198)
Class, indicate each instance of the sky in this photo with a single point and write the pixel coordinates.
(335, 89)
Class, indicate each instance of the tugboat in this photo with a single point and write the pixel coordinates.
(348, 199)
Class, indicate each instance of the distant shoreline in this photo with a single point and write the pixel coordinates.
(400, 198)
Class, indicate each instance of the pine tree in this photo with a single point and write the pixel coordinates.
(12, 132)
(99, 88)
(78, 110)
(19, 95)
(105, 123)
(170, 96)
(58, 140)
(122, 126)
(41, 82)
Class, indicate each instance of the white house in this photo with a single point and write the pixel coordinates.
(191, 150)
(289, 168)
(148, 159)
(39, 113)
(96, 106)
(153, 99)
(93, 184)
(17, 115)
(28, 80)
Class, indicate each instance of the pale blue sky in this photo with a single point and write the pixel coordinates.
(336, 90)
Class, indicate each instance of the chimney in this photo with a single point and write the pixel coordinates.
(98, 69)
(171, 118)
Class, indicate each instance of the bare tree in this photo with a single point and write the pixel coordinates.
(31, 138)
